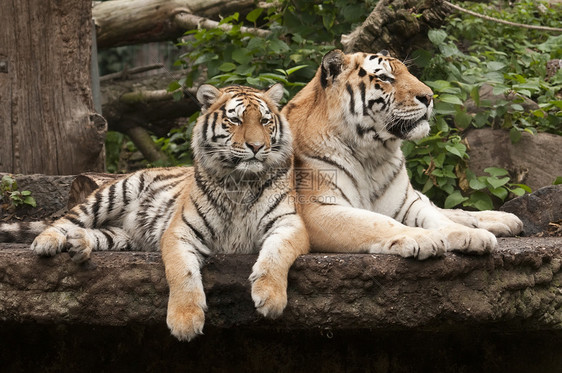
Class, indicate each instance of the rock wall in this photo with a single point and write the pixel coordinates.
(345, 313)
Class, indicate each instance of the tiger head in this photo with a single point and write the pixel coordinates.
(378, 97)
(240, 130)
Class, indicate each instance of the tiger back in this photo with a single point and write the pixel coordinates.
(237, 198)
(348, 125)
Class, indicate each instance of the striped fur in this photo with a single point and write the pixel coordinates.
(351, 120)
(238, 198)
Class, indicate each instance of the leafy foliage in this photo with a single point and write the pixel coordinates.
(12, 196)
(467, 53)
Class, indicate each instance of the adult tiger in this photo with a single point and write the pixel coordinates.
(348, 124)
(238, 198)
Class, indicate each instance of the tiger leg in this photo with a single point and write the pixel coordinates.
(107, 203)
(284, 242)
(498, 222)
(418, 211)
(334, 228)
(182, 262)
(80, 242)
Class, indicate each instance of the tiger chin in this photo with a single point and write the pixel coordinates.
(238, 198)
(348, 124)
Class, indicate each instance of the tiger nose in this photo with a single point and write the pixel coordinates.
(255, 146)
(425, 99)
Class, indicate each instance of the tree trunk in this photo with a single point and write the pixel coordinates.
(126, 22)
(399, 26)
(47, 121)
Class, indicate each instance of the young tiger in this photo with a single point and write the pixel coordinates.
(351, 119)
(238, 198)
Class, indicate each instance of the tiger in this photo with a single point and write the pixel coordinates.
(239, 197)
(348, 125)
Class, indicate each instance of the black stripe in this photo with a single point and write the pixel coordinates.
(202, 216)
(376, 194)
(141, 183)
(362, 90)
(111, 198)
(332, 162)
(124, 186)
(278, 175)
(108, 238)
(96, 207)
(270, 224)
(97, 244)
(362, 72)
(395, 212)
(351, 98)
(202, 185)
(84, 209)
(205, 128)
(407, 213)
(197, 233)
(74, 220)
(272, 207)
(161, 210)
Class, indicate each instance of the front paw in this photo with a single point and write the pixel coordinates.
(500, 223)
(417, 243)
(186, 317)
(49, 243)
(269, 294)
(470, 240)
(79, 245)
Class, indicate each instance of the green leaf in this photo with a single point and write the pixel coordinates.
(454, 199)
(457, 149)
(496, 183)
(278, 46)
(481, 201)
(30, 201)
(496, 171)
(241, 56)
(173, 86)
(476, 184)
(450, 99)
(495, 65)
(294, 69)
(427, 186)
(557, 181)
(227, 66)
(517, 191)
(437, 37)
(501, 193)
(462, 119)
(526, 188)
(254, 15)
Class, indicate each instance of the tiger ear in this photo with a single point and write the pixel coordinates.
(384, 52)
(332, 66)
(207, 95)
(275, 93)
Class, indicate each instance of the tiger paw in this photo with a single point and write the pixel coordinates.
(417, 243)
(79, 245)
(499, 223)
(269, 294)
(470, 240)
(49, 243)
(185, 319)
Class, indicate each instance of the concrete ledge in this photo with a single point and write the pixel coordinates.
(517, 288)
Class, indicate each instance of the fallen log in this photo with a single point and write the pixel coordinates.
(127, 22)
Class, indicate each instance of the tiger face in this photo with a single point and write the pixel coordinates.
(241, 130)
(380, 98)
